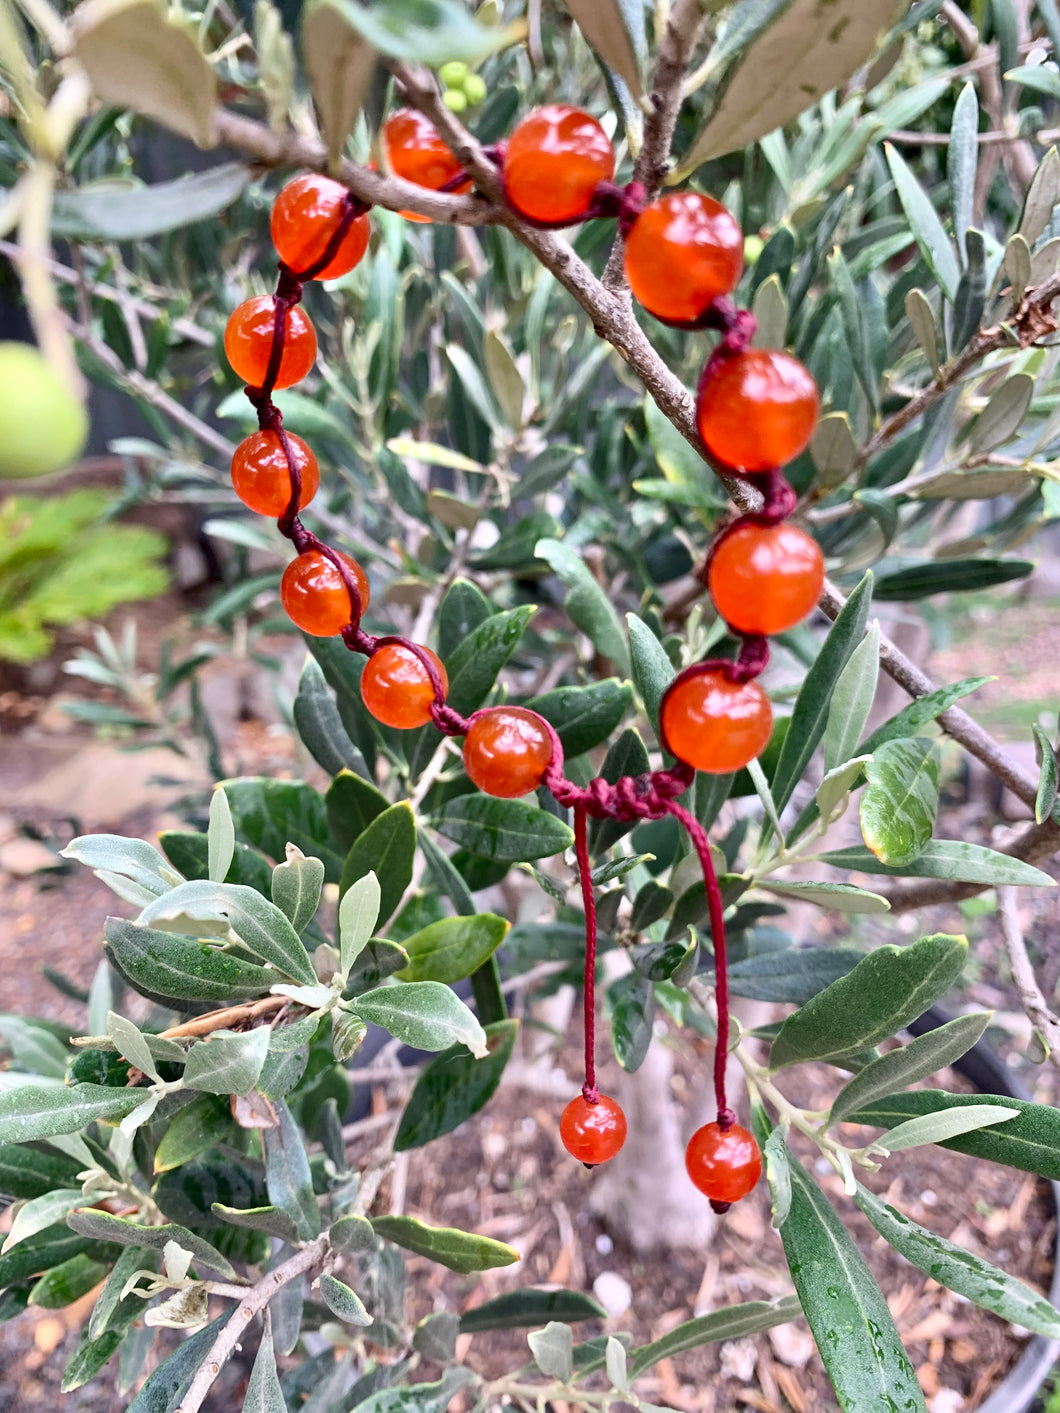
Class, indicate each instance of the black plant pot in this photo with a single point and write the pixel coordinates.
(983, 1067)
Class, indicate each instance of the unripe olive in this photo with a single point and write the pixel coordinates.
(752, 248)
(43, 425)
(454, 100)
(474, 89)
(453, 74)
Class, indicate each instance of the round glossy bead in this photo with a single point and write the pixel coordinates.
(723, 1163)
(592, 1133)
(554, 161)
(262, 478)
(396, 687)
(507, 750)
(248, 342)
(315, 595)
(757, 409)
(683, 252)
(305, 217)
(765, 578)
(416, 151)
(713, 724)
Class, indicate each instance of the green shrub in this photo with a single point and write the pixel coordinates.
(62, 561)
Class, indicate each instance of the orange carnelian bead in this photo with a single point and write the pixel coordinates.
(305, 216)
(765, 578)
(416, 151)
(592, 1133)
(248, 342)
(316, 597)
(683, 252)
(396, 687)
(723, 1163)
(757, 409)
(713, 724)
(554, 161)
(262, 478)
(507, 750)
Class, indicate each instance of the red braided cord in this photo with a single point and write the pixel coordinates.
(581, 849)
(649, 796)
(701, 844)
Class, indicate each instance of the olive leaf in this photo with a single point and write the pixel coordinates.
(137, 58)
(806, 48)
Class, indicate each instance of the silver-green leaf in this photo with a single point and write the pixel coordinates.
(889, 988)
(900, 1068)
(228, 1062)
(900, 800)
(424, 1014)
(343, 1302)
(969, 1275)
(946, 1123)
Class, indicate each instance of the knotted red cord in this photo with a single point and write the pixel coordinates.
(698, 835)
(581, 849)
(650, 796)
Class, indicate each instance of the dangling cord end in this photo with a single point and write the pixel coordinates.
(698, 835)
(581, 848)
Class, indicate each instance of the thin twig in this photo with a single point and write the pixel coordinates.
(910, 138)
(611, 313)
(146, 388)
(294, 150)
(223, 1019)
(1029, 322)
(371, 1123)
(1030, 993)
(443, 753)
(253, 1302)
(184, 327)
(954, 721)
(674, 53)
(653, 161)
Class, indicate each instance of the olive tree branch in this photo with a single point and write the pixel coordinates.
(293, 150)
(672, 58)
(611, 313)
(614, 320)
(186, 328)
(679, 36)
(253, 1302)
(954, 721)
(1031, 319)
(1030, 993)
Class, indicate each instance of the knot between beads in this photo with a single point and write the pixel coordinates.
(289, 286)
(629, 798)
(269, 415)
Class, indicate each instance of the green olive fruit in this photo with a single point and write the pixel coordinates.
(43, 426)
(454, 100)
(474, 89)
(453, 74)
(752, 248)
